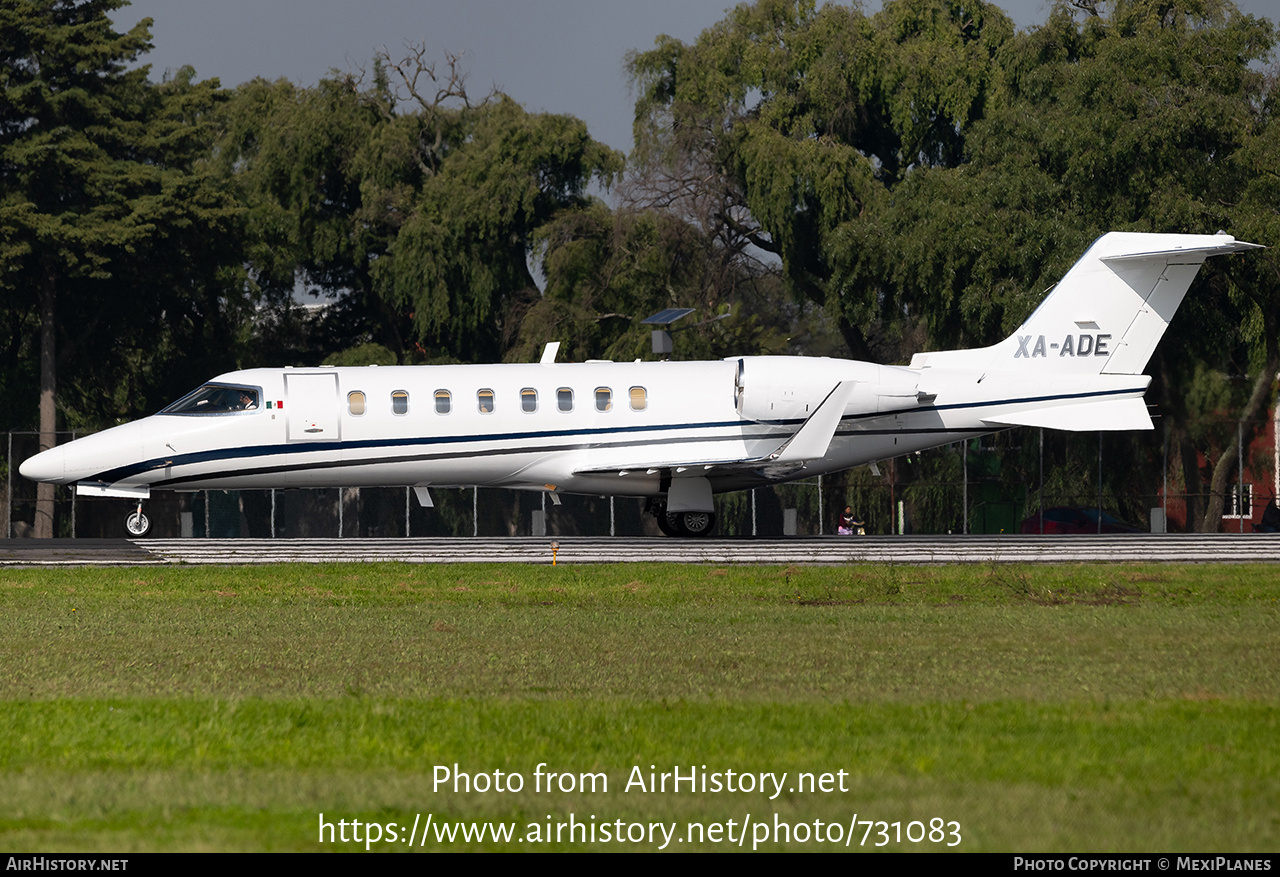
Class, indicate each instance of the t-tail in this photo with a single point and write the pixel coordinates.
(1089, 341)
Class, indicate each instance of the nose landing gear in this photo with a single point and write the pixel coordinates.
(137, 523)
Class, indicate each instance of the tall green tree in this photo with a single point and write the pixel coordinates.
(802, 121)
(927, 173)
(99, 200)
(1144, 116)
(411, 206)
(607, 269)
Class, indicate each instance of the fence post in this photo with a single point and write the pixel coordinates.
(1240, 473)
(1099, 482)
(820, 520)
(8, 494)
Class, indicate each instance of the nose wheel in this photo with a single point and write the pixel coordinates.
(137, 523)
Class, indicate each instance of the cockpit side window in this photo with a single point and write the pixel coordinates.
(217, 399)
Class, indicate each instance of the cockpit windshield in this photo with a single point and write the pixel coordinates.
(216, 399)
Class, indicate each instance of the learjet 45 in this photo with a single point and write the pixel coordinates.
(674, 432)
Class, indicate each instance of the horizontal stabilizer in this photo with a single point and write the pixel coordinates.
(1109, 415)
(1195, 253)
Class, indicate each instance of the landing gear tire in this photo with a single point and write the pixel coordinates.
(681, 524)
(696, 524)
(137, 523)
(667, 523)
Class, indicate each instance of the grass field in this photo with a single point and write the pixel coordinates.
(1076, 708)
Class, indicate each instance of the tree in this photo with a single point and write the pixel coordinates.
(1255, 282)
(1143, 119)
(802, 121)
(927, 173)
(95, 184)
(411, 206)
(606, 270)
(1146, 116)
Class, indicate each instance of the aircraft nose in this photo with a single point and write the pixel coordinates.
(47, 465)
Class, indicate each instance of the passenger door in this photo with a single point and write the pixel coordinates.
(312, 406)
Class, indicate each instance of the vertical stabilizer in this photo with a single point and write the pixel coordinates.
(1107, 314)
(1113, 306)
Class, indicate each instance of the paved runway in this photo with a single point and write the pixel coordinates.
(582, 549)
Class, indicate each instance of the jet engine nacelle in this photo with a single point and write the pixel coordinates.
(770, 388)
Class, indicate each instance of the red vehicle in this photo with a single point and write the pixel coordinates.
(1076, 520)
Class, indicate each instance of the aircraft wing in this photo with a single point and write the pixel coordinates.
(810, 442)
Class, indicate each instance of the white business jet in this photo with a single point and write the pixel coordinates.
(675, 432)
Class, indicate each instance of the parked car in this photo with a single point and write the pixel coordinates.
(1065, 519)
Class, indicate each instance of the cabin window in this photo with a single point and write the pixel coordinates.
(444, 401)
(639, 399)
(355, 403)
(400, 402)
(216, 399)
(485, 399)
(604, 399)
(564, 399)
(528, 400)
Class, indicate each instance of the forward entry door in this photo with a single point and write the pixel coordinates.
(312, 406)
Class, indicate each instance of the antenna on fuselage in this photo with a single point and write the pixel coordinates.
(549, 352)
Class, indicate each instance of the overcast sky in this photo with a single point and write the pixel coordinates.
(559, 56)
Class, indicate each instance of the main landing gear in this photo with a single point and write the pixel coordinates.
(137, 523)
(686, 524)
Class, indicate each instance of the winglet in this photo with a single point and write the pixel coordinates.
(549, 352)
(814, 437)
